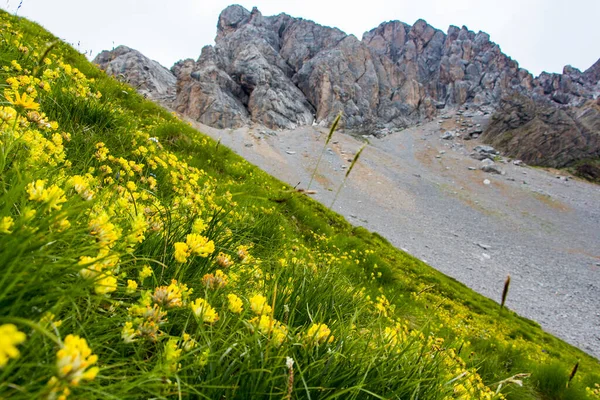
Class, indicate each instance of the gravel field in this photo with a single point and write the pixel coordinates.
(428, 197)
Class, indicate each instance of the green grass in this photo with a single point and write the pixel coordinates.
(394, 327)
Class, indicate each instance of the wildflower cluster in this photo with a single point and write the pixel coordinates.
(73, 363)
(10, 337)
(319, 333)
(593, 392)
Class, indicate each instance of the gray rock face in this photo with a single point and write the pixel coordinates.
(283, 72)
(208, 94)
(147, 76)
(572, 87)
(287, 71)
(243, 78)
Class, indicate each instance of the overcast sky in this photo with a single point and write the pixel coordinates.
(542, 35)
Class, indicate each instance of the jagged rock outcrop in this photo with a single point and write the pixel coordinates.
(557, 124)
(209, 95)
(282, 72)
(147, 76)
(242, 78)
(292, 71)
(540, 133)
(572, 87)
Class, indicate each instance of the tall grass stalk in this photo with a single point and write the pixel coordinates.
(331, 130)
(354, 160)
(505, 291)
(573, 372)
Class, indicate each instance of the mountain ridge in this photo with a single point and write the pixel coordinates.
(284, 72)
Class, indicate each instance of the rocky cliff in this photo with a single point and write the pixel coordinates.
(539, 133)
(149, 77)
(556, 124)
(282, 72)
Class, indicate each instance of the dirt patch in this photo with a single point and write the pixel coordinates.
(550, 202)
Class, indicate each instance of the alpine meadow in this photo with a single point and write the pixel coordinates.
(141, 259)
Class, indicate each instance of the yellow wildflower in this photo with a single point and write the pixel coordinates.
(271, 327)
(128, 334)
(7, 114)
(55, 197)
(105, 231)
(198, 226)
(10, 337)
(203, 310)
(48, 319)
(395, 335)
(319, 333)
(216, 281)
(16, 65)
(131, 186)
(28, 214)
(106, 284)
(594, 392)
(91, 268)
(131, 286)
(258, 305)
(383, 305)
(6, 223)
(223, 260)
(181, 252)
(152, 182)
(202, 359)
(170, 296)
(200, 245)
(145, 272)
(138, 228)
(172, 354)
(101, 151)
(189, 342)
(19, 100)
(74, 358)
(81, 186)
(235, 304)
(62, 225)
(242, 253)
(52, 196)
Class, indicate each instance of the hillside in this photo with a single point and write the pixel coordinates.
(140, 258)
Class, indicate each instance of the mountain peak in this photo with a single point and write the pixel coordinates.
(282, 72)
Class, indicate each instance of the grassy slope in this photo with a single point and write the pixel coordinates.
(282, 225)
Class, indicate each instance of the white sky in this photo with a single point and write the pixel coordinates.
(542, 35)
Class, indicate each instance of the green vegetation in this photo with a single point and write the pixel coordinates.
(139, 259)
